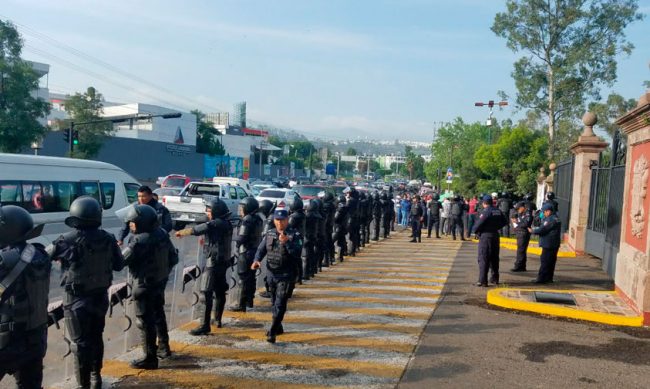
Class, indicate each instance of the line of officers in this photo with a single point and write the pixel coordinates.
(295, 242)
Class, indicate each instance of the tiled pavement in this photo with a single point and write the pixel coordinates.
(355, 326)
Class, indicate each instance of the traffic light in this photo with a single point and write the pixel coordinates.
(66, 135)
(75, 138)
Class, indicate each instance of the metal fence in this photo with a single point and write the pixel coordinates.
(563, 190)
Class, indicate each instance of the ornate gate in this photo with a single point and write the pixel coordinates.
(606, 205)
(563, 187)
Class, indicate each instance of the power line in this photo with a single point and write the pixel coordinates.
(45, 38)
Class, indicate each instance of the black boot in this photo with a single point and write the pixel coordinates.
(204, 328)
(95, 375)
(82, 372)
(163, 341)
(150, 360)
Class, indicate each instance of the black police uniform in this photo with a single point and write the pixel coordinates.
(523, 221)
(416, 214)
(489, 223)
(329, 209)
(88, 258)
(369, 212)
(456, 217)
(354, 221)
(281, 259)
(387, 213)
(341, 226)
(150, 256)
(377, 213)
(312, 228)
(24, 286)
(321, 241)
(363, 218)
(505, 204)
(549, 240)
(297, 221)
(434, 216)
(248, 238)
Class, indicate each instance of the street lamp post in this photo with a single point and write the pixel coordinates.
(338, 164)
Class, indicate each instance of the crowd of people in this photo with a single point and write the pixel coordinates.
(488, 217)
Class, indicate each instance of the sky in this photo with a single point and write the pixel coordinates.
(384, 69)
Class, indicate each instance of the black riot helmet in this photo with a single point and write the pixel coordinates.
(342, 199)
(376, 196)
(314, 205)
(144, 217)
(328, 197)
(528, 197)
(362, 195)
(265, 207)
(436, 197)
(384, 196)
(550, 196)
(219, 208)
(85, 212)
(16, 225)
(354, 193)
(297, 205)
(249, 205)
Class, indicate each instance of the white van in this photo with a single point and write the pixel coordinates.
(46, 186)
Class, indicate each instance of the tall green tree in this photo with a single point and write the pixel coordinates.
(570, 49)
(19, 109)
(207, 141)
(85, 110)
(614, 107)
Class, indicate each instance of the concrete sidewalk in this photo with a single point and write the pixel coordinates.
(468, 343)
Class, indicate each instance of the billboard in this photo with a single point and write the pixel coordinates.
(223, 166)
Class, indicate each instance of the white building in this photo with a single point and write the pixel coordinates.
(138, 125)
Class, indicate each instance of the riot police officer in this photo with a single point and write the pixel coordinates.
(217, 249)
(265, 212)
(353, 223)
(387, 213)
(312, 230)
(297, 221)
(25, 279)
(281, 247)
(377, 213)
(329, 209)
(489, 223)
(321, 239)
(434, 215)
(456, 216)
(369, 217)
(150, 256)
(504, 204)
(248, 238)
(341, 226)
(88, 257)
(145, 196)
(521, 223)
(417, 215)
(363, 218)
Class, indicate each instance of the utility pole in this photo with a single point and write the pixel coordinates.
(490, 121)
(338, 164)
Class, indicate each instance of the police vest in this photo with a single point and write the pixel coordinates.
(251, 229)
(156, 258)
(24, 307)
(218, 245)
(297, 222)
(456, 209)
(277, 257)
(92, 268)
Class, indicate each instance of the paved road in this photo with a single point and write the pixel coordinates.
(355, 325)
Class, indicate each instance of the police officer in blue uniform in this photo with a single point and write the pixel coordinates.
(489, 223)
(150, 256)
(521, 223)
(24, 286)
(281, 247)
(247, 239)
(217, 249)
(89, 255)
(549, 240)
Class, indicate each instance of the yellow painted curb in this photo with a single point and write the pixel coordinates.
(531, 250)
(494, 297)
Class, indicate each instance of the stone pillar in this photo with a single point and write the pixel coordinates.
(586, 150)
(541, 187)
(632, 264)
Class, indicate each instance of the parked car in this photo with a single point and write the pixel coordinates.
(189, 205)
(174, 181)
(257, 188)
(278, 195)
(167, 191)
